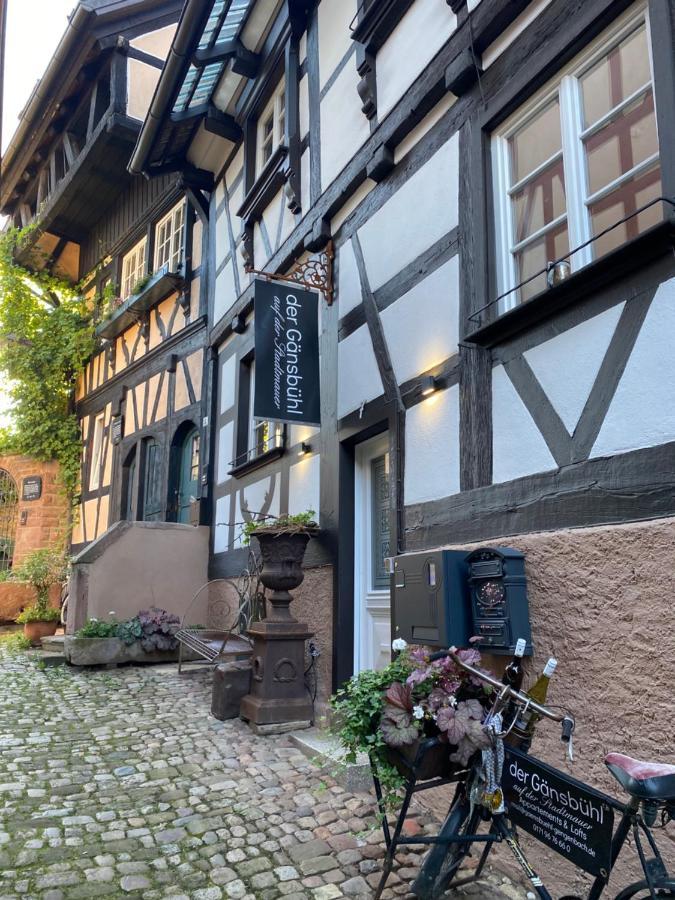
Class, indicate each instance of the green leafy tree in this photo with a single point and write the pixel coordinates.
(46, 337)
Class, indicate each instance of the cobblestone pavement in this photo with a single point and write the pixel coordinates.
(120, 784)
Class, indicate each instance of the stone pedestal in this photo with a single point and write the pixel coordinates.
(278, 692)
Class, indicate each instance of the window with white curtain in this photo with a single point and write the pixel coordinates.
(581, 156)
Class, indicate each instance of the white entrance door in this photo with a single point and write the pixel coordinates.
(372, 615)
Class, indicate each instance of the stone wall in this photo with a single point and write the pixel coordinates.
(46, 519)
(16, 595)
(601, 602)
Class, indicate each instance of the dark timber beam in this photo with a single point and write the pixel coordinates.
(244, 61)
(215, 121)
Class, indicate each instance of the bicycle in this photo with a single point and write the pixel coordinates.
(578, 822)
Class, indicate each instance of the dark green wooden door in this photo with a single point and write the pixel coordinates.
(189, 475)
(152, 493)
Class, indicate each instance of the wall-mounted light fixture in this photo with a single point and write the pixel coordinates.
(304, 449)
(429, 385)
(558, 272)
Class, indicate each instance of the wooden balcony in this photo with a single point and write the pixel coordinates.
(133, 309)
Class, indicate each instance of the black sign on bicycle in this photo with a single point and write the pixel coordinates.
(566, 815)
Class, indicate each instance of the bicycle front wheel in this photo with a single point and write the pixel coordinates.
(457, 853)
(640, 891)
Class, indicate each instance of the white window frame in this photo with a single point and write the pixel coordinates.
(275, 429)
(96, 453)
(565, 87)
(133, 267)
(276, 109)
(171, 240)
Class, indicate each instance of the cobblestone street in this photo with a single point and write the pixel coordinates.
(120, 784)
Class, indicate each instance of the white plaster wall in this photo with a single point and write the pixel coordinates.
(642, 412)
(415, 136)
(518, 448)
(305, 195)
(219, 192)
(271, 215)
(228, 372)
(334, 34)
(344, 128)
(567, 365)
(417, 215)
(225, 451)
(260, 253)
(509, 35)
(254, 496)
(225, 293)
(414, 42)
(432, 448)
(141, 83)
(358, 376)
(421, 327)
(304, 485)
(156, 43)
(349, 283)
(301, 433)
(222, 238)
(303, 105)
(235, 167)
(220, 531)
(208, 151)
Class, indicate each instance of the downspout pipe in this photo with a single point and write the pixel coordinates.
(192, 21)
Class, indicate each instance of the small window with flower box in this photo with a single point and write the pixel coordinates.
(576, 170)
(169, 239)
(133, 268)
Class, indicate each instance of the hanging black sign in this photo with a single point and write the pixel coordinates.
(31, 488)
(566, 815)
(286, 353)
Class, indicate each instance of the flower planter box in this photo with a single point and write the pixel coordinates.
(424, 759)
(113, 651)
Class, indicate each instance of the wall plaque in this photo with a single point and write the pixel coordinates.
(561, 812)
(286, 354)
(31, 488)
(116, 430)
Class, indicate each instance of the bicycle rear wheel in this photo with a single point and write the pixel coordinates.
(457, 853)
(640, 891)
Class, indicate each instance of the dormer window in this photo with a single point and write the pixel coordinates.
(169, 239)
(272, 126)
(133, 268)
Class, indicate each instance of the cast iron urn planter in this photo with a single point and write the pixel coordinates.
(278, 694)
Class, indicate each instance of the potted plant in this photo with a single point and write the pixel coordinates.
(41, 569)
(413, 717)
(283, 541)
(149, 636)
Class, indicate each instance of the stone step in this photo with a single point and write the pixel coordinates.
(47, 658)
(326, 751)
(54, 643)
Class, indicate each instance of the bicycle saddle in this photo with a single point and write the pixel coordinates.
(645, 780)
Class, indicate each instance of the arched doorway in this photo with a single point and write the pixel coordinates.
(184, 483)
(9, 504)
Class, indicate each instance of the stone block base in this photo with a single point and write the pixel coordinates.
(231, 683)
(279, 727)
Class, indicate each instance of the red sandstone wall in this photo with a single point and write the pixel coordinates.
(16, 595)
(601, 601)
(47, 518)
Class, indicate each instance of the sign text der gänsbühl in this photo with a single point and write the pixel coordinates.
(286, 354)
(571, 818)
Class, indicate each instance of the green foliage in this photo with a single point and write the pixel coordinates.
(130, 631)
(46, 337)
(141, 284)
(299, 522)
(14, 641)
(38, 613)
(42, 569)
(95, 628)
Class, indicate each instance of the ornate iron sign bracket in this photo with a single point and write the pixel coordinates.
(316, 273)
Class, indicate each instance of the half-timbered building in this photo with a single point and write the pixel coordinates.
(496, 184)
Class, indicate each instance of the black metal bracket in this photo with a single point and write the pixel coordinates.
(315, 274)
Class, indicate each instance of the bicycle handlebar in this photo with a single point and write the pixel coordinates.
(507, 693)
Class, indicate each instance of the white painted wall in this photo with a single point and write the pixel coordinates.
(141, 83)
(222, 515)
(228, 373)
(417, 215)
(518, 448)
(334, 34)
(432, 448)
(414, 42)
(567, 365)
(156, 43)
(358, 376)
(349, 283)
(642, 413)
(304, 485)
(225, 452)
(344, 128)
(225, 293)
(421, 327)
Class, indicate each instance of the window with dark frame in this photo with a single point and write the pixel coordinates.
(271, 127)
(256, 438)
(576, 164)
